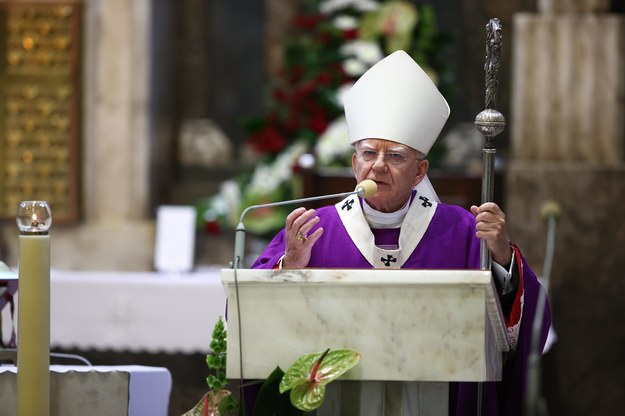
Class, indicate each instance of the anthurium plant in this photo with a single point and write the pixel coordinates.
(306, 380)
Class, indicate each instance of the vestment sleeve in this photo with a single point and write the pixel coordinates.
(515, 311)
(272, 254)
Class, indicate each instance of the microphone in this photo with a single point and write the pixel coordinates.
(535, 404)
(550, 209)
(365, 189)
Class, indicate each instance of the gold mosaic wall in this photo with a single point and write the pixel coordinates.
(39, 117)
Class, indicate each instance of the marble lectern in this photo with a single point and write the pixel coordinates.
(415, 329)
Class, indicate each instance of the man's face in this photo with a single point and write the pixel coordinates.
(395, 174)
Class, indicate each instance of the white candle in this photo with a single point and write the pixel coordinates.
(33, 318)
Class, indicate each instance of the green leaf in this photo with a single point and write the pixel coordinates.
(270, 402)
(253, 124)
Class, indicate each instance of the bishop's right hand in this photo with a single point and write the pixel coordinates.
(298, 242)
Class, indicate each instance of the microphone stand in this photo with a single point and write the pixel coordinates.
(239, 239)
(535, 402)
(239, 250)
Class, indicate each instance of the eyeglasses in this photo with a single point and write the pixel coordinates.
(395, 159)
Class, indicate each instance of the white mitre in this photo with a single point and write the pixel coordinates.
(396, 100)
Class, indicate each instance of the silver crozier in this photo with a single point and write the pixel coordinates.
(490, 122)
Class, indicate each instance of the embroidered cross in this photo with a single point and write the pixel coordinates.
(387, 261)
(426, 202)
(348, 204)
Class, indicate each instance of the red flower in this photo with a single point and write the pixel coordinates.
(296, 168)
(211, 227)
(324, 37)
(318, 123)
(308, 22)
(337, 69)
(292, 123)
(295, 74)
(279, 94)
(350, 34)
(324, 79)
(267, 140)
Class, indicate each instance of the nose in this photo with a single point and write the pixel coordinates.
(380, 162)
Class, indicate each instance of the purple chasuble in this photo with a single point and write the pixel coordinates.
(449, 242)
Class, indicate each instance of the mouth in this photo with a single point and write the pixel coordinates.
(381, 186)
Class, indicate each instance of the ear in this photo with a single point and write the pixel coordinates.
(422, 170)
(354, 162)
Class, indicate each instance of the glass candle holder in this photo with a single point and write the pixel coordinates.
(33, 217)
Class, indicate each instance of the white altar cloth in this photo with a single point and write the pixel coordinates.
(97, 390)
(132, 311)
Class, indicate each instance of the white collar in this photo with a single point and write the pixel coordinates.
(378, 219)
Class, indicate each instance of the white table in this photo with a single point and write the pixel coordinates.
(123, 311)
(97, 390)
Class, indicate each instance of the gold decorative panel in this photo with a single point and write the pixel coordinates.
(39, 102)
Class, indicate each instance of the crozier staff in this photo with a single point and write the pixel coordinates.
(394, 114)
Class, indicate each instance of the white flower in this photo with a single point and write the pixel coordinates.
(341, 93)
(353, 67)
(330, 6)
(333, 143)
(366, 51)
(345, 22)
(231, 193)
(226, 203)
(267, 178)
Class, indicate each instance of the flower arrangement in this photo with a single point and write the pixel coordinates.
(306, 379)
(333, 43)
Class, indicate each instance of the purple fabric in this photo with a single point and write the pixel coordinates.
(449, 243)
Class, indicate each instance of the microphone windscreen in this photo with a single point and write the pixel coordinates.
(366, 188)
(550, 209)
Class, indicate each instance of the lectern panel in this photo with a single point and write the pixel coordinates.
(425, 325)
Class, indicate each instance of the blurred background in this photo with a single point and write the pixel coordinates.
(112, 109)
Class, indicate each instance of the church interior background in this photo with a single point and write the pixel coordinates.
(155, 104)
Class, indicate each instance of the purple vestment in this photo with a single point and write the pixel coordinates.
(448, 243)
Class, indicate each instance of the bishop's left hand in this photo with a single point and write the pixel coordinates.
(490, 225)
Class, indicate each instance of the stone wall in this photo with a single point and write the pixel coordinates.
(567, 147)
(115, 233)
(582, 371)
(568, 87)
